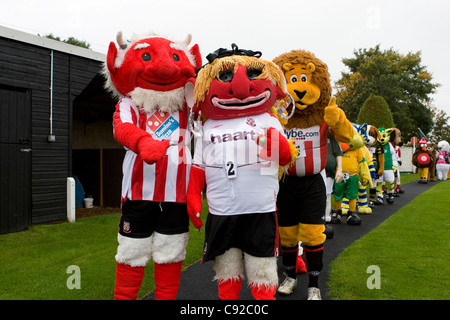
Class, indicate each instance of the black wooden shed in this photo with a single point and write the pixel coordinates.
(55, 123)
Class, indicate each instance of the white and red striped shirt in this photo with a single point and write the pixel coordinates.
(167, 180)
(312, 145)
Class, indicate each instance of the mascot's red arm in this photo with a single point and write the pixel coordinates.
(137, 140)
(194, 195)
(275, 147)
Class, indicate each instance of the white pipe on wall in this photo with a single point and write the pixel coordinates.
(71, 199)
(51, 136)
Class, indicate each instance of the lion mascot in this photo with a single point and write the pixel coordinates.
(148, 74)
(238, 153)
(423, 159)
(302, 197)
(442, 163)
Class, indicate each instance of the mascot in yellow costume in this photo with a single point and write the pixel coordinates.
(301, 199)
(356, 174)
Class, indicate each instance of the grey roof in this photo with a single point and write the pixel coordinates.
(50, 44)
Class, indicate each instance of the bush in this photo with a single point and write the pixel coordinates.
(375, 111)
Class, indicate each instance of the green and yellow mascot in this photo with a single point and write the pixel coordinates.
(356, 173)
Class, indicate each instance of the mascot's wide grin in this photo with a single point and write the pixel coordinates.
(144, 82)
(241, 104)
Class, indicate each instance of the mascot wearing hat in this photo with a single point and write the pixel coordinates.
(423, 159)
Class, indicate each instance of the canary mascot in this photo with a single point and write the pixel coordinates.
(238, 153)
(423, 159)
(355, 171)
(362, 204)
(302, 197)
(148, 74)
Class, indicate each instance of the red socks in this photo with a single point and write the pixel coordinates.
(167, 280)
(263, 292)
(128, 281)
(229, 290)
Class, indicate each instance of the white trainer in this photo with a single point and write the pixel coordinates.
(288, 286)
(314, 293)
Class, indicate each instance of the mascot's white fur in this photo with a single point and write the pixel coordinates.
(442, 164)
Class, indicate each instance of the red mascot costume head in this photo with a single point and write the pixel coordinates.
(148, 75)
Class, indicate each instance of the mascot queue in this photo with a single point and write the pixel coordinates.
(262, 133)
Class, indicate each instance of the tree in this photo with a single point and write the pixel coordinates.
(401, 80)
(375, 111)
(441, 127)
(70, 40)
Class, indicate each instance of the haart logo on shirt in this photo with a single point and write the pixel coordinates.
(238, 135)
(162, 124)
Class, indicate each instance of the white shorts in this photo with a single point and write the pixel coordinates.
(388, 176)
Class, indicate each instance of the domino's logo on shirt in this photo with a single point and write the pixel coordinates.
(162, 124)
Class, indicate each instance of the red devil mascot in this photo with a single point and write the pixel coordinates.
(148, 74)
(238, 154)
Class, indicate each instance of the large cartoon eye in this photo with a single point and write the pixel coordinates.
(226, 75)
(253, 73)
(176, 57)
(303, 78)
(146, 57)
(293, 78)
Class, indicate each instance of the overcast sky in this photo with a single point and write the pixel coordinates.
(331, 29)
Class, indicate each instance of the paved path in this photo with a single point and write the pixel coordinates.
(197, 284)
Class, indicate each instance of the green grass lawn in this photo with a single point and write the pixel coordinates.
(411, 250)
(34, 263)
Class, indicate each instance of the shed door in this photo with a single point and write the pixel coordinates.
(15, 160)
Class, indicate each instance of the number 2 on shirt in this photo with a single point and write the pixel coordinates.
(230, 169)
